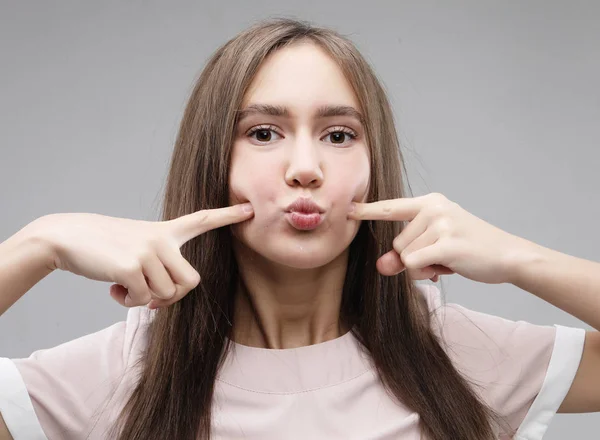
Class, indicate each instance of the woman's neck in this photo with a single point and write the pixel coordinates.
(282, 307)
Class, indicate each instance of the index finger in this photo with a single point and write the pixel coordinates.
(191, 225)
(403, 209)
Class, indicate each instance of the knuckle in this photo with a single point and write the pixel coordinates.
(171, 293)
(397, 243)
(188, 285)
(437, 210)
(132, 268)
(146, 253)
(388, 208)
(152, 243)
(165, 293)
(443, 225)
(437, 197)
(194, 280)
(146, 298)
(405, 253)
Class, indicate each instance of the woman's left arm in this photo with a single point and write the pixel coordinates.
(573, 285)
(442, 238)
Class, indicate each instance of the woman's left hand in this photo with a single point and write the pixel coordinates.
(442, 238)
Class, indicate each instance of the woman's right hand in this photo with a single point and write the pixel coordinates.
(143, 258)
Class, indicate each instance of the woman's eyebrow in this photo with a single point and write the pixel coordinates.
(324, 111)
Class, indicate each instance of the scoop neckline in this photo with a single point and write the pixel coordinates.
(237, 345)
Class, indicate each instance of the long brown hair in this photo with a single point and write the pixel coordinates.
(186, 341)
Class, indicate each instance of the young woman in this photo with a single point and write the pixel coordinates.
(281, 282)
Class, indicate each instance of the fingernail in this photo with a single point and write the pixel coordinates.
(247, 207)
(352, 207)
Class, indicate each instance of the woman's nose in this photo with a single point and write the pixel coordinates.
(305, 167)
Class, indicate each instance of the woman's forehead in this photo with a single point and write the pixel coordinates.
(300, 75)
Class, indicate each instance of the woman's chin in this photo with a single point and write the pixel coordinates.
(303, 263)
(304, 258)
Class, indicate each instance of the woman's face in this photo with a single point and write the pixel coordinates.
(281, 156)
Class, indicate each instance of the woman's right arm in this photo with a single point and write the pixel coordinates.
(25, 258)
(142, 258)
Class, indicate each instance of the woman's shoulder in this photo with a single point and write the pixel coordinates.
(519, 368)
(63, 390)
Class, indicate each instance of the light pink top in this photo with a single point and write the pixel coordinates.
(323, 391)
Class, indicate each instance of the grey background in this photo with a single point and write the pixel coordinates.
(497, 104)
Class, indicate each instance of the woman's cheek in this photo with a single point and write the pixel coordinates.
(350, 186)
(258, 189)
(251, 179)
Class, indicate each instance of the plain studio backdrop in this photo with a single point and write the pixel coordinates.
(497, 106)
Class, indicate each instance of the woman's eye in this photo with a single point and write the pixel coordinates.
(262, 134)
(337, 136)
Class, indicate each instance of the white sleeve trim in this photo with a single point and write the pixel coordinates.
(564, 362)
(15, 404)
